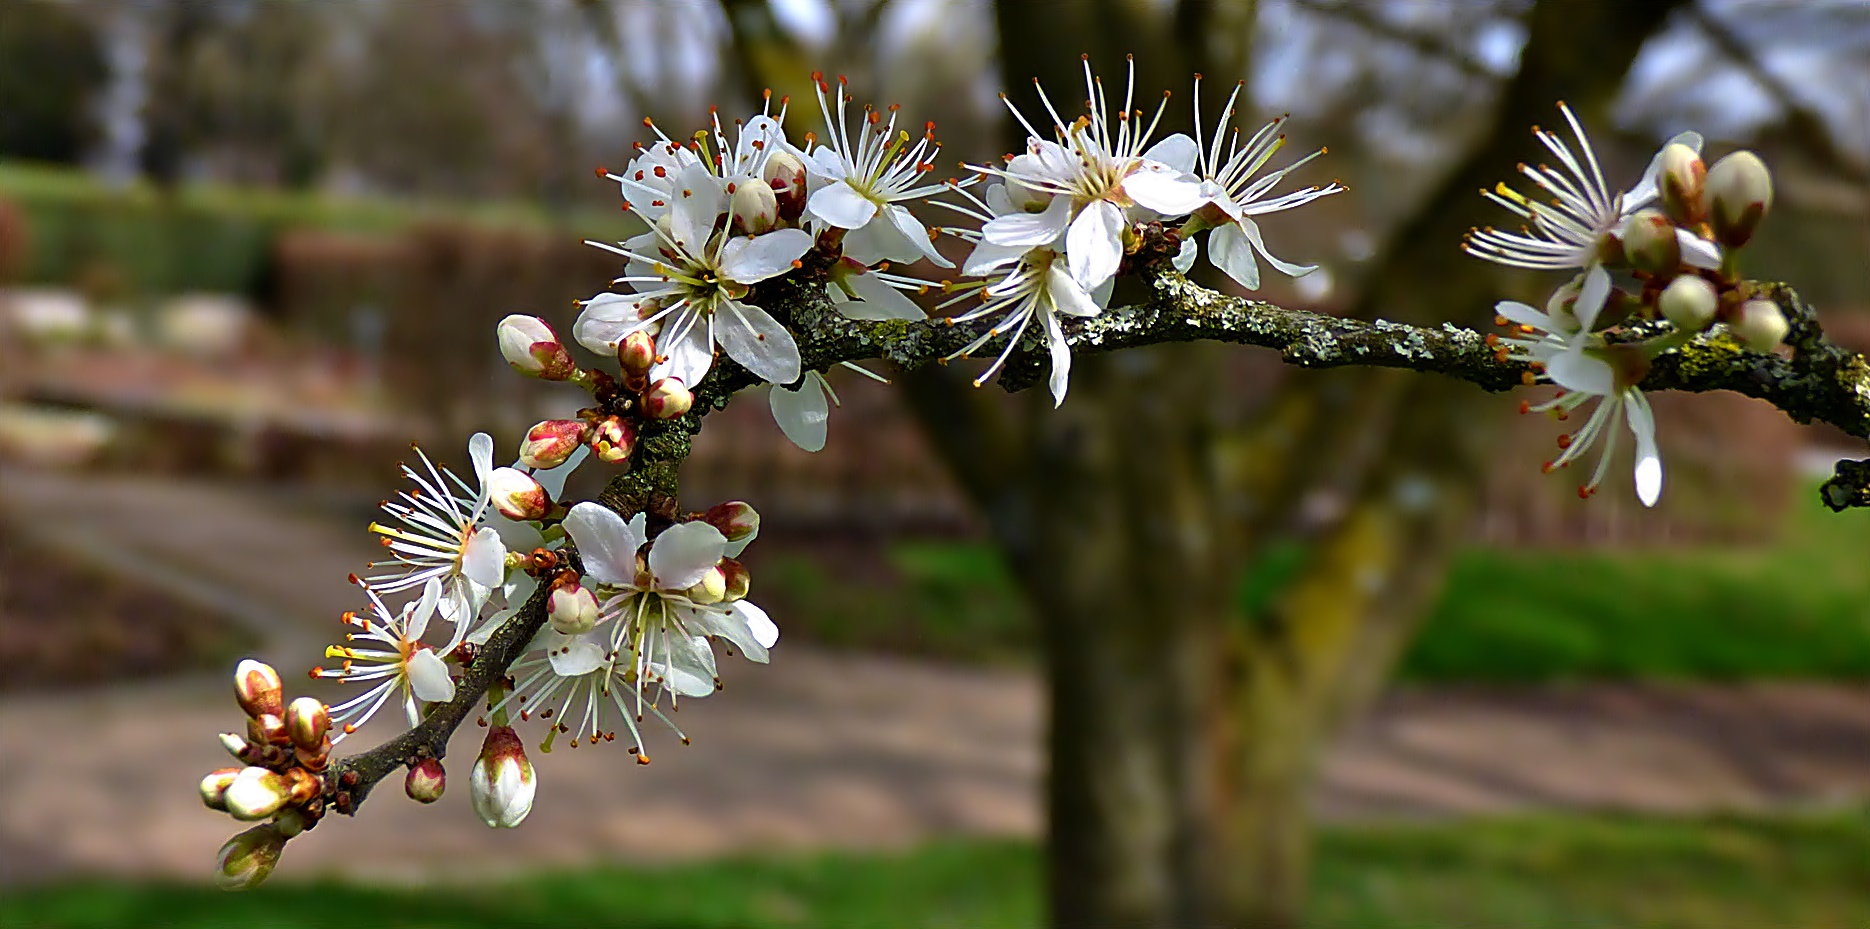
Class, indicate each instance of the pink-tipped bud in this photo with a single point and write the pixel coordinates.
(668, 398)
(572, 609)
(533, 349)
(256, 793)
(738, 580)
(612, 440)
(307, 721)
(784, 174)
(257, 687)
(712, 588)
(249, 857)
(736, 519)
(426, 781)
(517, 495)
(1681, 179)
(268, 729)
(755, 207)
(1689, 302)
(550, 443)
(636, 354)
(214, 787)
(1759, 325)
(501, 786)
(1740, 192)
(1649, 242)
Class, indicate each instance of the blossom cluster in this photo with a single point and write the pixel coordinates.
(1665, 249)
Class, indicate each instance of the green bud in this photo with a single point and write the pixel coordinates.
(1689, 302)
(1740, 192)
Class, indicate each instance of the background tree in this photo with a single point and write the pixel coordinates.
(51, 71)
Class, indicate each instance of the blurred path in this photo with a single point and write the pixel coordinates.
(817, 750)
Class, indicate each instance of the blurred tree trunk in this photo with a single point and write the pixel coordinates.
(1184, 736)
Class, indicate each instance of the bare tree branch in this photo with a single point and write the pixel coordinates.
(1428, 45)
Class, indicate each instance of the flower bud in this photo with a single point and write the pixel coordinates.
(1740, 191)
(636, 353)
(736, 519)
(533, 349)
(550, 443)
(307, 721)
(1759, 325)
(784, 174)
(712, 588)
(613, 439)
(238, 746)
(315, 758)
(1681, 176)
(255, 793)
(426, 781)
(248, 858)
(571, 609)
(1649, 242)
(501, 785)
(268, 729)
(668, 398)
(517, 495)
(257, 688)
(738, 579)
(290, 822)
(755, 206)
(1689, 302)
(214, 787)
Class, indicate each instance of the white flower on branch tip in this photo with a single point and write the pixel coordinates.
(1234, 196)
(690, 274)
(392, 659)
(1579, 227)
(650, 183)
(444, 536)
(653, 631)
(1586, 370)
(1085, 184)
(861, 183)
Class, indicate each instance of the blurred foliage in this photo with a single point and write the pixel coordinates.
(1594, 871)
(1792, 608)
(51, 69)
(219, 238)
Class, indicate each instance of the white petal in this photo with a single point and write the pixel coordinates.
(605, 542)
(423, 609)
(754, 338)
(483, 558)
(917, 235)
(1574, 370)
(880, 301)
(1252, 229)
(987, 257)
(688, 358)
(1185, 258)
(1526, 315)
(480, 451)
(689, 667)
(1646, 190)
(802, 414)
(428, 677)
(1591, 297)
(1642, 422)
(764, 630)
(1067, 296)
(1061, 358)
(605, 320)
(1163, 189)
(683, 553)
(839, 204)
(572, 655)
(1094, 244)
(698, 202)
(553, 479)
(879, 240)
(1698, 252)
(1177, 151)
(752, 260)
(1229, 250)
(745, 625)
(1029, 229)
(825, 163)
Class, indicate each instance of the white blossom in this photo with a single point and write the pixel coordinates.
(391, 657)
(444, 537)
(862, 179)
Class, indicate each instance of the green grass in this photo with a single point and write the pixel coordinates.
(1797, 607)
(1811, 872)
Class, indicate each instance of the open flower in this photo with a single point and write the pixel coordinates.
(1078, 192)
(1234, 196)
(690, 274)
(1588, 371)
(392, 659)
(1579, 227)
(861, 183)
(653, 632)
(444, 537)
